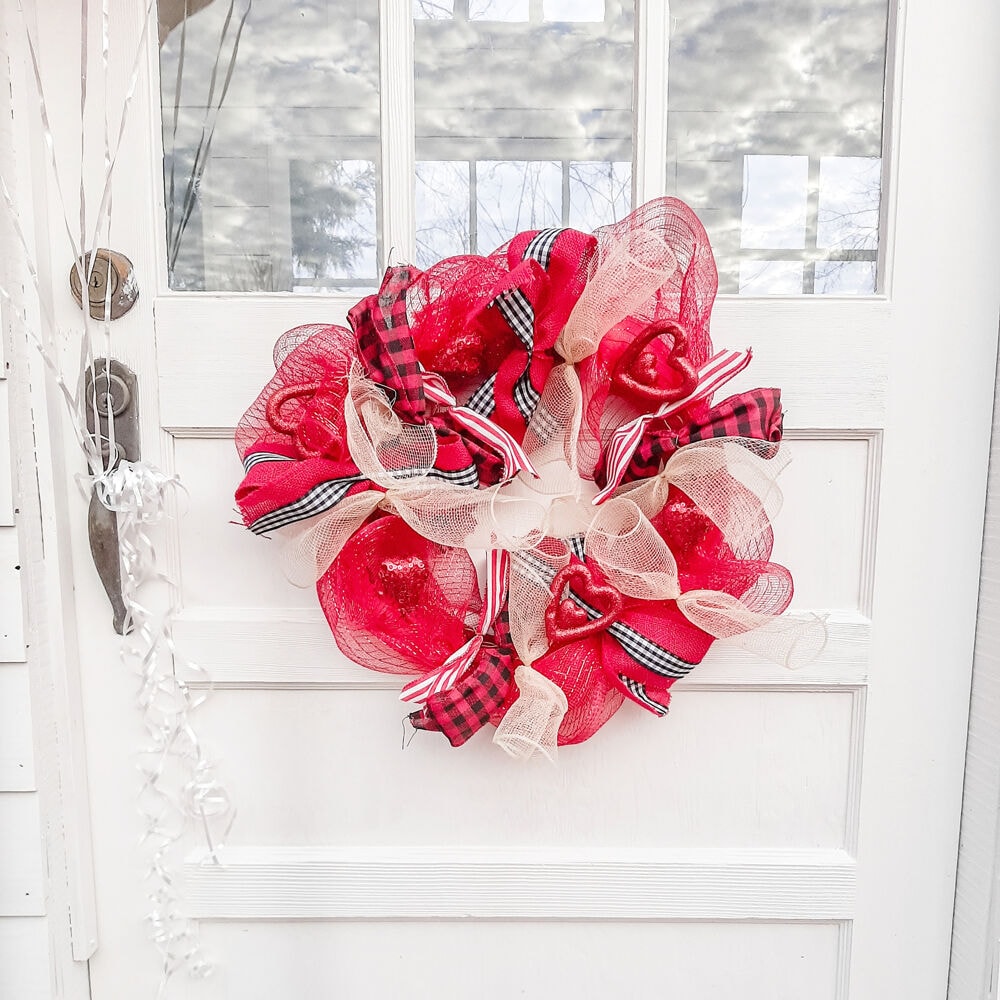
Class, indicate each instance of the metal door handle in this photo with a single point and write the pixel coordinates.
(110, 390)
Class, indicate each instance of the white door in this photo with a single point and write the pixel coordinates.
(780, 834)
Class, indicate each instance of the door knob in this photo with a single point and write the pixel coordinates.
(110, 267)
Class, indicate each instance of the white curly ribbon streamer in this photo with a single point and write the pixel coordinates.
(180, 793)
(180, 789)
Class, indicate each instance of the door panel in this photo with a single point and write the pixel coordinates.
(381, 959)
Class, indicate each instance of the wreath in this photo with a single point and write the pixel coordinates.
(540, 419)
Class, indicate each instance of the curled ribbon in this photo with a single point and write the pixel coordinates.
(137, 493)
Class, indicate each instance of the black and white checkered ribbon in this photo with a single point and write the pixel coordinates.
(520, 316)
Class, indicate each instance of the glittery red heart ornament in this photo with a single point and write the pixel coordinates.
(565, 620)
(638, 371)
(686, 529)
(403, 580)
(461, 355)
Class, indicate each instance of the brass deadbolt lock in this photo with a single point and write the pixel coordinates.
(110, 268)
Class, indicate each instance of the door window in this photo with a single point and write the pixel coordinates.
(277, 121)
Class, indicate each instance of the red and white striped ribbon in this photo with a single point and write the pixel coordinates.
(718, 370)
(436, 389)
(514, 458)
(452, 670)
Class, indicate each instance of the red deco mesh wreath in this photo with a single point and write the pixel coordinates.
(509, 481)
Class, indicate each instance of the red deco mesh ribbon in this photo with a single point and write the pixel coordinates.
(588, 356)
(398, 603)
(292, 440)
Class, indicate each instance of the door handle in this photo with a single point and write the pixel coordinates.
(110, 392)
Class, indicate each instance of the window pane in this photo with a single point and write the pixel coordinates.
(442, 210)
(498, 10)
(849, 188)
(770, 277)
(515, 195)
(333, 223)
(531, 101)
(573, 10)
(270, 137)
(433, 8)
(845, 277)
(775, 134)
(599, 193)
(775, 191)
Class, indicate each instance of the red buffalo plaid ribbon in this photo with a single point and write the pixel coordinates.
(462, 710)
(755, 414)
(718, 370)
(386, 347)
(447, 675)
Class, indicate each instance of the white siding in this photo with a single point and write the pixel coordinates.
(24, 939)
(35, 916)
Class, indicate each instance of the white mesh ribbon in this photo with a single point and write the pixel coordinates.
(789, 641)
(627, 271)
(531, 724)
(531, 573)
(631, 553)
(730, 479)
(385, 449)
(551, 435)
(309, 547)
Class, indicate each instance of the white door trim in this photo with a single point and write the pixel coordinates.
(975, 940)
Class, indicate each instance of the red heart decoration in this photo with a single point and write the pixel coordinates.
(403, 579)
(461, 355)
(565, 620)
(636, 373)
(314, 423)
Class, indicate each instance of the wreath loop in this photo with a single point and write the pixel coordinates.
(548, 409)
